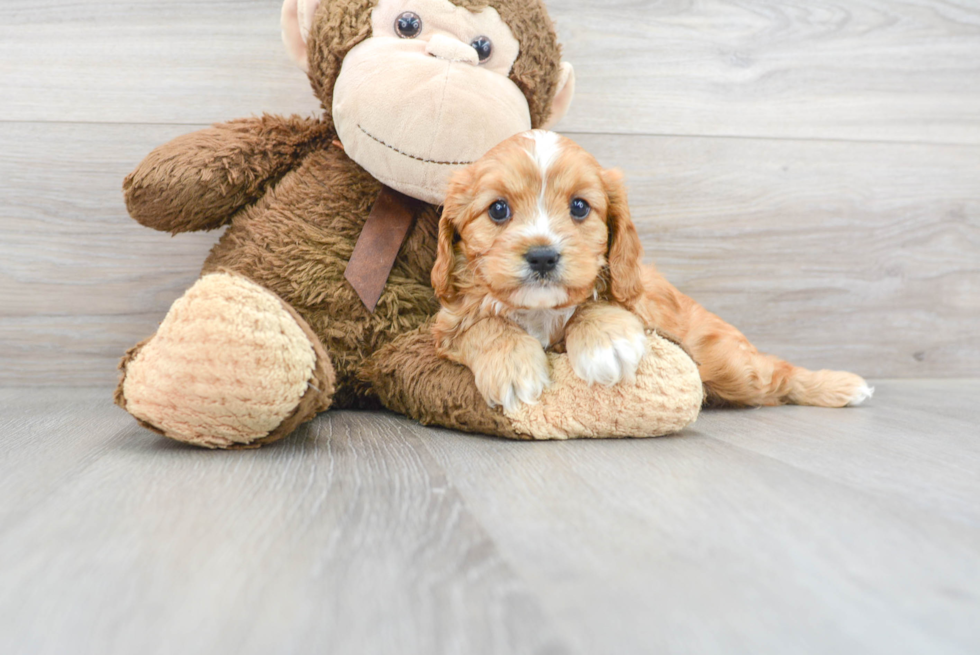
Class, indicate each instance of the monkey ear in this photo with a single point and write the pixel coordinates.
(564, 96)
(297, 19)
(625, 248)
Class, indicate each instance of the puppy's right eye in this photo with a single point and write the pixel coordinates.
(408, 25)
(580, 209)
(500, 212)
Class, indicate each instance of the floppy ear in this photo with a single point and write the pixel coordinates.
(457, 199)
(443, 281)
(625, 249)
(297, 19)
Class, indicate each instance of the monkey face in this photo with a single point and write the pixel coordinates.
(428, 93)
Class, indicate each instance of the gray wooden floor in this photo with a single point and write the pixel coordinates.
(788, 530)
(807, 170)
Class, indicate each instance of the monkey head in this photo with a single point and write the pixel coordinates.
(417, 89)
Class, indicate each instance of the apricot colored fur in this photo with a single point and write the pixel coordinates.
(496, 320)
(478, 278)
(294, 206)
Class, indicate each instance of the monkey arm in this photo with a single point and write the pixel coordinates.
(200, 180)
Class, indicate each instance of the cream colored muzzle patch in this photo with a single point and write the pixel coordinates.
(412, 111)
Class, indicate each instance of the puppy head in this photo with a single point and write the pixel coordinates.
(538, 219)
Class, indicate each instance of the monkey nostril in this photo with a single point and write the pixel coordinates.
(542, 259)
(444, 47)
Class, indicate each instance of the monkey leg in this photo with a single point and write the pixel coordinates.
(410, 378)
(231, 366)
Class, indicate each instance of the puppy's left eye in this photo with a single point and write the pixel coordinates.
(500, 212)
(580, 209)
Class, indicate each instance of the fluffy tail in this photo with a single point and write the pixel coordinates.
(734, 372)
(827, 388)
(744, 376)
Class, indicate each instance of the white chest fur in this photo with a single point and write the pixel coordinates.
(545, 325)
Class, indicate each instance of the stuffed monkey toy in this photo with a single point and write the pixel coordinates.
(318, 294)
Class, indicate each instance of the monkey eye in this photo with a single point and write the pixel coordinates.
(483, 47)
(408, 25)
(580, 209)
(500, 212)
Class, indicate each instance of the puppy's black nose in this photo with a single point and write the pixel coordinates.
(542, 259)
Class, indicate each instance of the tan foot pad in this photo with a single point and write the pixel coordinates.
(666, 397)
(228, 366)
(410, 378)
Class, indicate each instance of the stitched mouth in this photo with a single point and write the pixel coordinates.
(405, 154)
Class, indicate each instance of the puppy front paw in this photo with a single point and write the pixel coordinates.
(609, 350)
(515, 374)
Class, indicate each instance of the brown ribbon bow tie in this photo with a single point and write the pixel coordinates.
(381, 239)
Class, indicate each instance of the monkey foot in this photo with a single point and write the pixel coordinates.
(231, 366)
(666, 395)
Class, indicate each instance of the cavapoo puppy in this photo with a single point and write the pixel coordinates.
(537, 250)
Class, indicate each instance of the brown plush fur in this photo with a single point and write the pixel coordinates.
(295, 205)
(446, 395)
(200, 180)
(297, 241)
(342, 24)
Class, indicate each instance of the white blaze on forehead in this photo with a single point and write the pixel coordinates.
(541, 226)
(547, 147)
